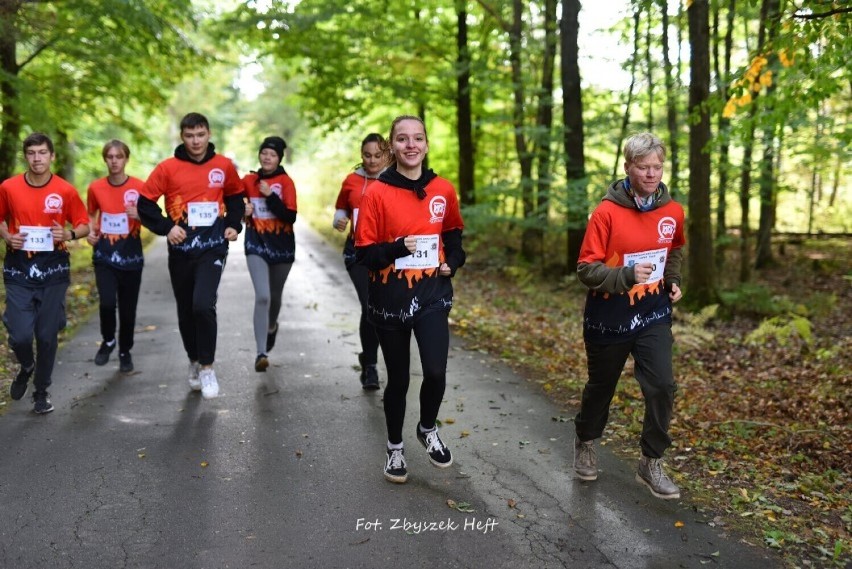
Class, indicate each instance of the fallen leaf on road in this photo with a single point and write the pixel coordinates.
(449, 421)
(141, 455)
(464, 434)
(511, 503)
(299, 453)
(679, 524)
(204, 464)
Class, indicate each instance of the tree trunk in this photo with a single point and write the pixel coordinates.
(702, 287)
(770, 18)
(649, 72)
(723, 77)
(572, 116)
(10, 121)
(745, 198)
(625, 121)
(544, 122)
(464, 110)
(671, 104)
(529, 248)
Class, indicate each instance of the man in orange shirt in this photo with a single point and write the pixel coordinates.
(117, 252)
(35, 209)
(204, 207)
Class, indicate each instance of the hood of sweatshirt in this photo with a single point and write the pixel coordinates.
(182, 154)
(621, 193)
(393, 178)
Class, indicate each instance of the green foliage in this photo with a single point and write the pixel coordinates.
(754, 300)
(782, 329)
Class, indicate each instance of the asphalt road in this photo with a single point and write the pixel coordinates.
(284, 469)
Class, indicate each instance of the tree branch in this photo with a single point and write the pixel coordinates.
(823, 14)
(38, 51)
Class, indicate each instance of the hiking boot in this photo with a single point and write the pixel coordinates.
(395, 470)
(650, 473)
(125, 362)
(363, 368)
(102, 357)
(41, 402)
(270, 338)
(439, 454)
(261, 362)
(371, 380)
(585, 459)
(209, 385)
(19, 385)
(194, 383)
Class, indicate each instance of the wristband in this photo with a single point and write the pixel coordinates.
(73, 235)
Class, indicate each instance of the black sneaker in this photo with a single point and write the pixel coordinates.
(102, 357)
(125, 362)
(395, 466)
(261, 362)
(270, 338)
(19, 385)
(439, 454)
(41, 402)
(371, 378)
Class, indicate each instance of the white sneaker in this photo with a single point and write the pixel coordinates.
(209, 385)
(194, 383)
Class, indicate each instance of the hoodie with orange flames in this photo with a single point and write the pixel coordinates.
(619, 235)
(392, 209)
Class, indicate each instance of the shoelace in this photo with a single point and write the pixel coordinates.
(587, 453)
(433, 442)
(396, 459)
(656, 468)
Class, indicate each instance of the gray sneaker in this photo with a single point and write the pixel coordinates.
(585, 460)
(650, 473)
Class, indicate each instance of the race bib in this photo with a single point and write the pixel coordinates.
(261, 211)
(37, 239)
(657, 258)
(424, 257)
(115, 223)
(202, 214)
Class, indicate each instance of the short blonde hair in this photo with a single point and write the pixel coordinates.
(642, 144)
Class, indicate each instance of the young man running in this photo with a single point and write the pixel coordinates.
(117, 252)
(204, 207)
(36, 208)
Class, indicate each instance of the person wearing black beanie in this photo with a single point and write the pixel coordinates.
(270, 244)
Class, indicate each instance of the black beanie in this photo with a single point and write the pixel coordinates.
(276, 143)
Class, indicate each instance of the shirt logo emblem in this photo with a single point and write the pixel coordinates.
(276, 188)
(216, 177)
(437, 208)
(53, 204)
(666, 229)
(131, 197)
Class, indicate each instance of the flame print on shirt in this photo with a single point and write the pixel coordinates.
(413, 276)
(271, 226)
(639, 290)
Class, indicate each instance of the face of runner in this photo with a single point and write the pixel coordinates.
(268, 160)
(645, 174)
(409, 145)
(372, 158)
(196, 139)
(115, 161)
(39, 158)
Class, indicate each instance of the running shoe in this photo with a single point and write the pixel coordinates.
(209, 385)
(125, 362)
(102, 357)
(194, 382)
(41, 402)
(19, 385)
(261, 362)
(395, 470)
(439, 454)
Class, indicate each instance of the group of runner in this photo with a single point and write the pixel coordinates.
(403, 248)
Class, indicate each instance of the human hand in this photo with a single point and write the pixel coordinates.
(264, 188)
(642, 272)
(131, 211)
(341, 223)
(58, 231)
(176, 235)
(410, 243)
(445, 270)
(93, 236)
(231, 234)
(249, 209)
(676, 294)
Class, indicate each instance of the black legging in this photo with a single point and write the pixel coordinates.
(117, 288)
(431, 330)
(369, 340)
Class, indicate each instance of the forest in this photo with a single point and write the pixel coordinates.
(527, 104)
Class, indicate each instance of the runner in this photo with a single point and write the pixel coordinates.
(204, 206)
(34, 209)
(409, 236)
(373, 161)
(117, 252)
(270, 244)
(630, 259)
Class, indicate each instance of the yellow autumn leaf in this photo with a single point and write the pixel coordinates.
(785, 59)
(679, 524)
(449, 421)
(729, 111)
(204, 464)
(744, 100)
(464, 434)
(766, 78)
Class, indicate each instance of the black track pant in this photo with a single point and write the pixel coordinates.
(369, 338)
(195, 281)
(432, 333)
(652, 355)
(118, 289)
